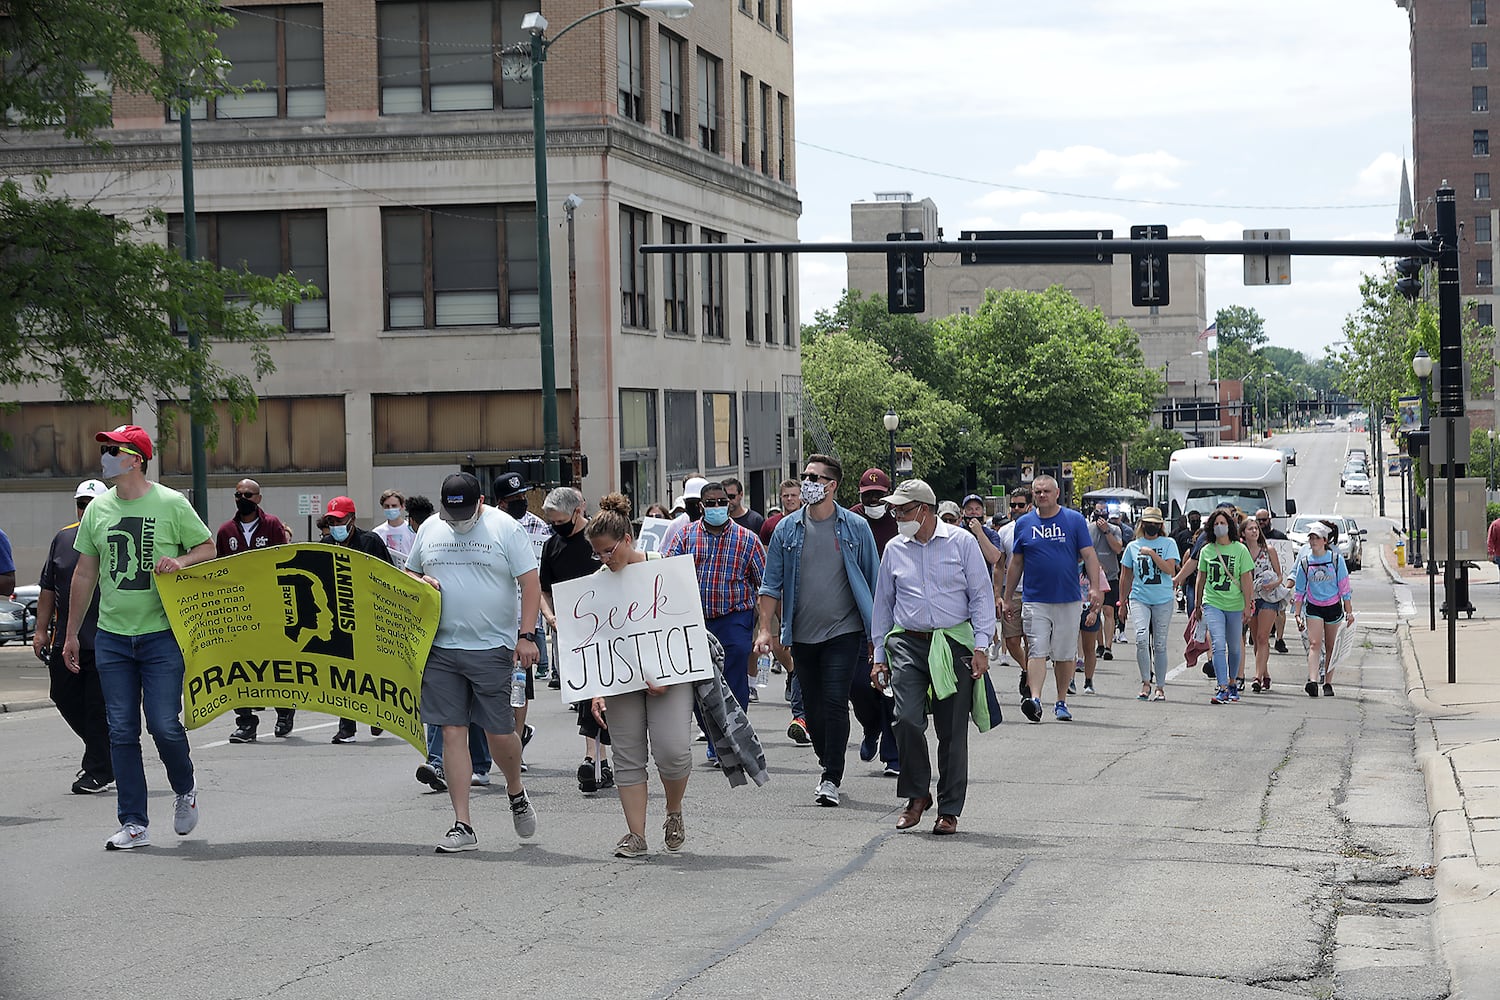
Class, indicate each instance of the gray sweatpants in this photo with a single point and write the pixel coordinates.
(666, 720)
(910, 677)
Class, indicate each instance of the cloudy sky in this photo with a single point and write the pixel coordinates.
(1208, 116)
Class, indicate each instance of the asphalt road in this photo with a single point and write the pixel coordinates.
(1265, 849)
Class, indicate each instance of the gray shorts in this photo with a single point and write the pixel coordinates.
(463, 686)
(1051, 630)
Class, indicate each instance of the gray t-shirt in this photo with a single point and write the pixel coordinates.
(1109, 561)
(825, 607)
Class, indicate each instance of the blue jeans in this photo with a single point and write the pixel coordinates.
(1152, 624)
(734, 633)
(135, 672)
(479, 748)
(825, 669)
(1224, 629)
(794, 695)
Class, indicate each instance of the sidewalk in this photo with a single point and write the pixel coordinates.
(1458, 749)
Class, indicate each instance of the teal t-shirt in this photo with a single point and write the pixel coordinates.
(1149, 585)
(1222, 566)
(128, 537)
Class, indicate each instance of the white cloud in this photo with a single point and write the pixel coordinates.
(1381, 179)
(1133, 172)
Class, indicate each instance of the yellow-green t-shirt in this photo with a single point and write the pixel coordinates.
(1222, 566)
(128, 537)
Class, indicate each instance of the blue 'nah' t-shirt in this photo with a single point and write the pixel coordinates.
(1050, 547)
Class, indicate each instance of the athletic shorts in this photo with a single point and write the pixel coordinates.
(1011, 628)
(1051, 630)
(1330, 613)
(1112, 595)
(1083, 621)
(464, 686)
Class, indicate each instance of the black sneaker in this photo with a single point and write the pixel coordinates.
(91, 784)
(1108, 654)
(376, 730)
(527, 732)
(606, 775)
(587, 783)
(1311, 687)
(431, 775)
(1280, 645)
(344, 736)
(555, 683)
(284, 724)
(243, 734)
(1025, 686)
(1032, 709)
(1099, 649)
(1328, 690)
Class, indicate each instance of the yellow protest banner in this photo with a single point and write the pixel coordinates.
(311, 626)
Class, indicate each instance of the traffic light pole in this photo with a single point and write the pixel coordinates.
(1450, 401)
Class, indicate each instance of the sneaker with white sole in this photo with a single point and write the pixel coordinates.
(631, 846)
(460, 838)
(479, 780)
(827, 794)
(431, 775)
(185, 812)
(524, 816)
(129, 837)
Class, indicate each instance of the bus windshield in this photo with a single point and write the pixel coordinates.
(1247, 498)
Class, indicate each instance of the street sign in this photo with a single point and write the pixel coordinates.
(1469, 516)
(1268, 269)
(1048, 257)
(1438, 443)
(1067, 470)
(304, 503)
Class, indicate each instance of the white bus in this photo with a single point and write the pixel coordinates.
(1250, 478)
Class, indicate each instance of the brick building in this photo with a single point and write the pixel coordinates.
(388, 159)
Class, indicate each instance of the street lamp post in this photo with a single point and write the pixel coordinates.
(1489, 471)
(190, 251)
(892, 421)
(536, 25)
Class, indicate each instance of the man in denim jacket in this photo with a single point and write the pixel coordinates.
(827, 555)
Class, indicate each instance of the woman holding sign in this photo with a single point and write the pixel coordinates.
(662, 715)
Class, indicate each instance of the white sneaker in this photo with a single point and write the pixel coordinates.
(460, 838)
(523, 815)
(130, 836)
(479, 780)
(827, 795)
(185, 812)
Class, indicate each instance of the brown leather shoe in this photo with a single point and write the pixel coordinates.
(912, 814)
(945, 825)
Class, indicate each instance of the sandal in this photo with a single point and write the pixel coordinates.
(1160, 695)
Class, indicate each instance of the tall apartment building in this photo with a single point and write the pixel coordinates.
(1169, 334)
(388, 159)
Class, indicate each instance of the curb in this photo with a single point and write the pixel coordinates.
(25, 706)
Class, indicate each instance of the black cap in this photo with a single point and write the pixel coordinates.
(460, 496)
(507, 485)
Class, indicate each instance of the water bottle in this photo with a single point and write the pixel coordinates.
(518, 687)
(763, 670)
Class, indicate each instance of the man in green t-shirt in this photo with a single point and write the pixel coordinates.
(133, 532)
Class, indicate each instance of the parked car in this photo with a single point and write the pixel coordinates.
(1357, 482)
(1289, 454)
(1351, 544)
(14, 621)
(28, 594)
(1352, 469)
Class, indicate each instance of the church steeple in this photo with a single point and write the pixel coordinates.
(1406, 215)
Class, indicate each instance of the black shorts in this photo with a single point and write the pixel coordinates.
(1330, 613)
(1112, 595)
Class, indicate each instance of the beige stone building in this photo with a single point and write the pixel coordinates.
(1169, 334)
(389, 160)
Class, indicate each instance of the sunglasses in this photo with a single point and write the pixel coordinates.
(715, 503)
(1018, 506)
(732, 496)
(115, 449)
(241, 495)
(810, 476)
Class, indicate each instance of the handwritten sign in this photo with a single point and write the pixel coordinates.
(653, 534)
(617, 630)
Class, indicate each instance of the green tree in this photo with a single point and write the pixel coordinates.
(1240, 325)
(906, 340)
(1050, 377)
(86, 299)
(1380, 337)
(1152, 449)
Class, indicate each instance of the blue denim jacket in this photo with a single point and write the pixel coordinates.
(784, 559)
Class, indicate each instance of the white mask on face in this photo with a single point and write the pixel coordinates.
(909, 529)
(813, 491)
(875, 511)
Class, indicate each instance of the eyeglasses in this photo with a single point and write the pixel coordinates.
(608, 554)
(715, 503)
(115, 449)
(810, 476)
(242, 495)
(906, 510)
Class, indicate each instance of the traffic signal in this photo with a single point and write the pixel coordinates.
(1148, 271)
(905, 278)
(1409, 272)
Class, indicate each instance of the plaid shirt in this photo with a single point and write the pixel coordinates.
(729, 566)
(539, 531)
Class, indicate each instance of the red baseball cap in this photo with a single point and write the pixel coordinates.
(341, 507)
(874, 479)
(129, 435)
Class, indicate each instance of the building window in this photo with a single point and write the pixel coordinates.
(1484, 273)
(752, 314)
(669, 56)
(638, 452)
(461, 265)
(720, 430)
(630, 67)
(1479, 55)
(681, 432)
(635, 310)
(713, 288)
(1481, 142)
(744, 6)
(1485, 314)
(52, 440)
(760, 12)
(786, 300)
(268, 244)
(287, 434)
(769, 269)
(765, 129)
(1481, 187)
(781, 17)
(783, 126)
(1477, 15)
(1481, 98)
(1481, 229)
(674, 282)
(710, 105)
(276, 54)
(436, 55)
(746, 89)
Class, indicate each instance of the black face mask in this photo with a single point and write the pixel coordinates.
(695, 510)
(564, 530)
(245, 506)
(516, 507)
(1150, 530)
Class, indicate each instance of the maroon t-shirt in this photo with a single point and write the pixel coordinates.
(883, 529)
(769, 525)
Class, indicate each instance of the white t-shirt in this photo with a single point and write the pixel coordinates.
(1007, 547)
(478, 572)
(398, 540)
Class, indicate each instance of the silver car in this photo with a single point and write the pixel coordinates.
(1351, 544)
(16, 622)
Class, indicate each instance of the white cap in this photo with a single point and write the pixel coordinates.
(693, 488)
(90, 488)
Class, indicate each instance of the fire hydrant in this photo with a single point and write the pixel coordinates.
(1401, 553)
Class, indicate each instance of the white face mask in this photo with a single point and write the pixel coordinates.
(875, 511)
(909, 529)
(467, 524)
(813, 491)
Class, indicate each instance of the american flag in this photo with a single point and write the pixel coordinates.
(1212, 331)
